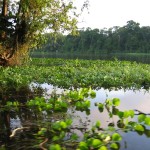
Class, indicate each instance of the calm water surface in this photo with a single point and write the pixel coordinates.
(139, 100)
(130, 100)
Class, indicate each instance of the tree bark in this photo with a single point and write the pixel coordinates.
(4, 8)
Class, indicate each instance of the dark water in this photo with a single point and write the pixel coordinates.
(139, 100)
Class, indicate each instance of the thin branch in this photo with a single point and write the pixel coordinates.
(17, 129)
(41, 144)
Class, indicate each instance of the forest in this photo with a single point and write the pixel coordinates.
(53, 103)
(130, 38)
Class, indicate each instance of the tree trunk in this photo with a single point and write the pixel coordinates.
(4, 8)
(3, 60)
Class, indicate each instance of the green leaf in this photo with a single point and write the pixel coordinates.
(126, 114)
(147, 121)
(116, 101)
(55, 147)
(139, 127)
(74, 136)
(83, 146)
(100, 107)
(103, 148)
(96, 143)
(141, 118)
(116, 137)
(131, 112)
(114, 146)
(98, 124)
(108, 102)
(121, 114)
(63, 124)
(115, 110)
(93, 94)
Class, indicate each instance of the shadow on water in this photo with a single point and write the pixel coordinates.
(33, 120)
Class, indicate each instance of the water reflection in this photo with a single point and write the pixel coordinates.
(139, 100)
(130, 100)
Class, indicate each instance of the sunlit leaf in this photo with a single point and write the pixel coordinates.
(83, 146)
(131, 112)
(98, 124)
(141, 118)
(93, 94)
(103, 148)
(96, 143)
(100, 107)
(116, 137)
(114, 146)
(108, 102)
(55, 147)
(63, 124)
(147, 121)
(139, 127)
(126, 114)
(116, 101)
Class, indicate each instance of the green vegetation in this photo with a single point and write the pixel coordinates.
(58, 133)
(78, 73)
(46, 121)
(130, 38)
(22, 24)
(52, 126)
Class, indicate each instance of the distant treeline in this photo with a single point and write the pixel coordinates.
(129, 38)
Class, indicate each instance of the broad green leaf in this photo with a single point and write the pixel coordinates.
(126, 114)
(103, 148)
(115, 110)
(100, 107)
(131, 112)
(114, 146)
(141, 118)
(96, 143)
(93, 94)
(147, 121)
(116, 137)
(69, 121)
(98, 124)
(108, 102)
(121, 114)
(116, 101)
(139, 127)
(63, 124)
(55, 147)
(83, 146)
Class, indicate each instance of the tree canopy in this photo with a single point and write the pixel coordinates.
(130, 38)
(23, 22)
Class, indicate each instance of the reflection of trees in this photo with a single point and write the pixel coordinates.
(21, 95)
(4, 127)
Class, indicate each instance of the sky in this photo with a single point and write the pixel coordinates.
(109, 13)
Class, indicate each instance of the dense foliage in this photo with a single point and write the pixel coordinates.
(129, 38)
(77, 73)
(48, 122)
(23, 22)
